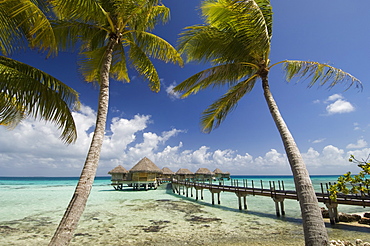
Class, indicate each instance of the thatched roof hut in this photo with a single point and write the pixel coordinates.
(203, 171)
(217, 171)
(184, 173)
(145, 166)
(167, 171)
(203, 174)
(118, 173)
(226, 175)
(118, 169)
(144, 171)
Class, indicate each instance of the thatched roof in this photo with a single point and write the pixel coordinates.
(118, 169)
(217, 171)
(145, 166)
(167, 171)
(184, 171)
(203, 171)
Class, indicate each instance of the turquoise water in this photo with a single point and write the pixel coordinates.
(32, 207)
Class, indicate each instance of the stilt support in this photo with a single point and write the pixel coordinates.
(279, 201)
(240, 195)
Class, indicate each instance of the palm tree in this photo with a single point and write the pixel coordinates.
(236, 40)
(112, 34)
(25, 90)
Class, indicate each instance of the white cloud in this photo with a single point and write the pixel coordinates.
(361, 143)
(338, 105)
(356, 126)
(319, 140)
(171, 93)
(33, 149)
(272, 160)
(334, 97)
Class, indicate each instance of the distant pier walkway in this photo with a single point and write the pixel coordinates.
(275, 190)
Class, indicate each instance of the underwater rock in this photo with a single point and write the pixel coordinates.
(6, 229)
(154, 228)
(367, 215)
(365, 221)
(201, 219)
(349, 217)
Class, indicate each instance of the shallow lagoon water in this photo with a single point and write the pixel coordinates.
(31, 209)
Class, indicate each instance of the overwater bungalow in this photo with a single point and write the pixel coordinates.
(203, 174)
(226, 175)
(184, 174)
(144, 174)
(219, 175)
(118, 176)
(167, 174)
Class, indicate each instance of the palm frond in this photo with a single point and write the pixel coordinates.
(156, 47)
(72, 33)
(11, 111)
(226, 74)
(37, 94)
(246, 19)
(213, 116)
(119, 67)
(209, 44)
(25, 22)
(144, 66)
(266, 9)
(87, 11)
(90, 63)
(319, 72)
(141, 15)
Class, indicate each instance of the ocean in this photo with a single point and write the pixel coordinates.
(31, 208)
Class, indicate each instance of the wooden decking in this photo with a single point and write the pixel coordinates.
(275, 190)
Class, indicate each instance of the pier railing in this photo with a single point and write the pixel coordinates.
(275, 190)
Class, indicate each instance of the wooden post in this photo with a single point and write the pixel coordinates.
(218, 198)
(282, 207)
(201, 194)
(240, 195)
(196, 192)
(213, 198)
(261, 186)
(278, 208)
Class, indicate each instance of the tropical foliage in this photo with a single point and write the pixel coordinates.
(353, 184)
(25, 90)
(236, 41)
(111, 36)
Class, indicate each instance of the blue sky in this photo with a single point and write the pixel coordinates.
(328, 125)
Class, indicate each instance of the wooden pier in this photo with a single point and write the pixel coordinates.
(275, 190)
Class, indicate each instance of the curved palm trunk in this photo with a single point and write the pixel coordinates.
(313, 225)
(64, 233)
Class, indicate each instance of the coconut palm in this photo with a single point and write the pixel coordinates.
(236, 40)
(112, 35)
(25, 90)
